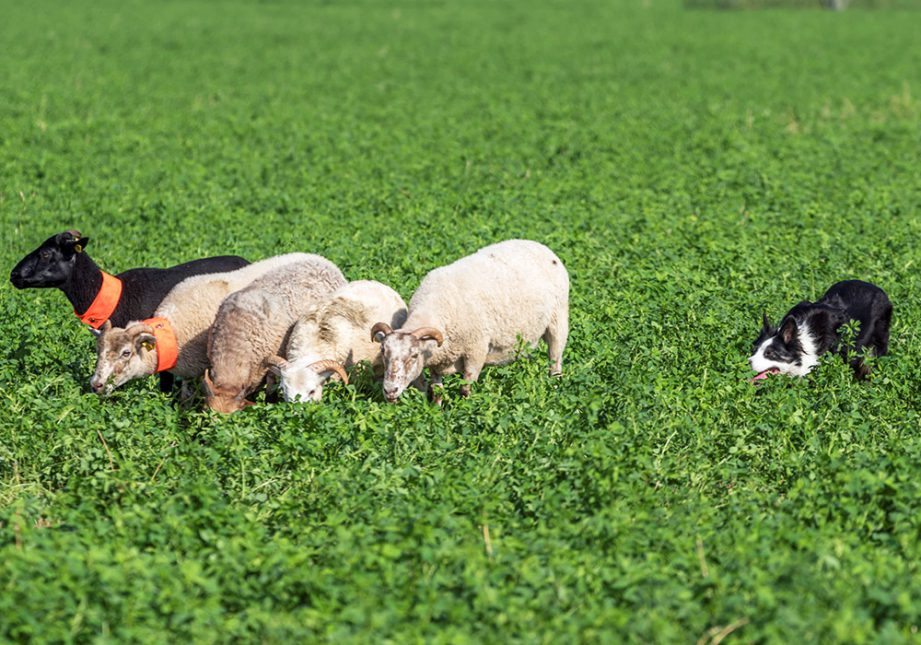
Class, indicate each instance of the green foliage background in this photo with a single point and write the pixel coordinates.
(690, 168)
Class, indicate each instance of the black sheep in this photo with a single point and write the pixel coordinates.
(61, 262)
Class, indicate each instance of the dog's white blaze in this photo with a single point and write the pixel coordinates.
(759, 363)
(809, 359)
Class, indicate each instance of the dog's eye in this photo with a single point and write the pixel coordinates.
(770, 354)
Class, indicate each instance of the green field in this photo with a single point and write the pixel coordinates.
(691, 168)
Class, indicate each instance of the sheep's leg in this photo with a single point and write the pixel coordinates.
(555, 337)
(435, 389)
(166, 382)
(186, 391)
(473, 365)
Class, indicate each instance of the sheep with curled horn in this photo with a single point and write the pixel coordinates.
(254, 324)
(471, 313)
(332, 337)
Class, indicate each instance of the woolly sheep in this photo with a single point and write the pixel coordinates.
(472, 312)
(252, 325)
(333, 336)
(123, 354)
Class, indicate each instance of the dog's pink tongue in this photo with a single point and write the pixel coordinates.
(764, 374)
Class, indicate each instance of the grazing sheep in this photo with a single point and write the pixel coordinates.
(472, 312)
(61, 262)
(333, 336)
(253, 324)
(179, 328)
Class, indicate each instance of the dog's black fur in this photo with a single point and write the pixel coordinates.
(61, 262)
(845, 301)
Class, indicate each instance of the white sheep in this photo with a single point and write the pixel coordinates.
(333, 336)
(179, 327)
(253, 325)
(471, 313)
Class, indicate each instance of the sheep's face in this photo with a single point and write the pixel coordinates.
(225, 400)
(301, 382)
(404, 359)
(123, 355)
(51, 264)
(304, 378)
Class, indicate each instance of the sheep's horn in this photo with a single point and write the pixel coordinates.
(276, 361)
(429, 333)
(380, 327)
(322, 366)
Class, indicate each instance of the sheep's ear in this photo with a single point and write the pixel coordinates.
(146, 342)
(207, 384)
(71, 241)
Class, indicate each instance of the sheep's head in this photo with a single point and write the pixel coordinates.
(404, 354)
(123, 355)
(51, 264)
(304, 379)
(221, 398)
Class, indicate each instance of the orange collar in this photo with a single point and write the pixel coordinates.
(167, 345)
(104, 303)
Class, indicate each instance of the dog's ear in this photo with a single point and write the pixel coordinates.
(765, 323)
(788, 330)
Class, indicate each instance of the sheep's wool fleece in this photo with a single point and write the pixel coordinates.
(253, 323)
(338, 328)
(484, 301)
(193, 303)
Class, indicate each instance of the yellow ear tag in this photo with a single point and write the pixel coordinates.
(78, 248)
(147, 345)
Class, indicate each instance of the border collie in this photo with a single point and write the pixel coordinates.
(811, 328)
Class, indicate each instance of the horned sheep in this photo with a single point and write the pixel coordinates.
(180, 324)
(333, 336)
(471, 313)
(253, 324)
